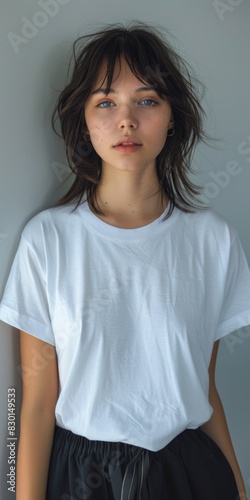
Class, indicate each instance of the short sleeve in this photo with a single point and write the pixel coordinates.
(25, 304)
(235, 307)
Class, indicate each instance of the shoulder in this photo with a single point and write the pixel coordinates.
(46, 222)
(207, 225)
(205, 234)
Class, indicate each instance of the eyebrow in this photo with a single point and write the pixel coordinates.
(105, 91)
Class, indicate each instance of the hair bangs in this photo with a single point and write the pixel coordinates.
(141, 59)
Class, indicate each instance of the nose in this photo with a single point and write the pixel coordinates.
(127, 119)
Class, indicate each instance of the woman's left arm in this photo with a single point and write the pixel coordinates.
(217, 428)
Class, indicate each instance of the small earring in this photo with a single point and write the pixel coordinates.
(86, 136)
(172, 130)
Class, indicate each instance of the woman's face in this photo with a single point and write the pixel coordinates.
(128, 127)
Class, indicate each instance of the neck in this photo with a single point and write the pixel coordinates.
(128, 200)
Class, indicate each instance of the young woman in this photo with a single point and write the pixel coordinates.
(123, 291)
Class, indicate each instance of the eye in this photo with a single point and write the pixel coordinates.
(148, 102)
(105, 104)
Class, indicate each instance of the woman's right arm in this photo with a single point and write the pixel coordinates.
(40, 394)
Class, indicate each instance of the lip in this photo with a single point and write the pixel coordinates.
(127, 139)
(130, 148)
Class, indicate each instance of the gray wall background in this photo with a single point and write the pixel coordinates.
(36, 40)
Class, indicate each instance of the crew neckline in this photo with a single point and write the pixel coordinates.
(114, 232)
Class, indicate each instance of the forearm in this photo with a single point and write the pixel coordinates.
(217, 429)
(36, 437)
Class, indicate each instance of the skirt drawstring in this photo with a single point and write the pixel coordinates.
(135, 475)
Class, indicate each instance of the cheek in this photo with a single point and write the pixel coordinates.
(161, 131)
(99, 130)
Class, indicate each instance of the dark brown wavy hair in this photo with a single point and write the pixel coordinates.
(153, 61)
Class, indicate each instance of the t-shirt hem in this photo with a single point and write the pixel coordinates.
(233, 324)
(26, 324)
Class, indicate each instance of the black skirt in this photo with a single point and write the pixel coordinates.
(191, 467)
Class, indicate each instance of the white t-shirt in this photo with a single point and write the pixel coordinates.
(133, 314)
